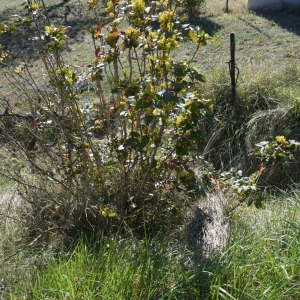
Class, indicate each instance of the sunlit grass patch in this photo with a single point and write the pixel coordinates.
(262, 259)
(124, 269)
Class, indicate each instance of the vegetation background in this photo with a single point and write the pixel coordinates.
(216, 247)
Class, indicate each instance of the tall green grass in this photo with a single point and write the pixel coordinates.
(261, 89)
(266, 104)
(124, 269)
(262, 260)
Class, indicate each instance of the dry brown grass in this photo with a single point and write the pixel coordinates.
(216, 8)
(11, 206)
(206, 229)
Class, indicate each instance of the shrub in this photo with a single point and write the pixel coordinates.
(123, 158)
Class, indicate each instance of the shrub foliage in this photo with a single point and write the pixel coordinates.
(122, 156)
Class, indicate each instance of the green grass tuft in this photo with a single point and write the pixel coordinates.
(262, 261)
(122, 269)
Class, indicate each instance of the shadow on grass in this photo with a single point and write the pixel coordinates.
(76, 16)
(287, 18)
(206, 24)
(254, 27)
(204, 263)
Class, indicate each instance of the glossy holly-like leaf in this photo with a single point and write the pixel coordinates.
(149, 119)
(134, 134)
(144, 141)
(153, 164)
(131, 142)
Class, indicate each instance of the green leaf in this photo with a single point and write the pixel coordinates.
(186, 32)
(193, 36)
(131, 142)
(250, 201)
(181, 149)
(145, 140)
(108, 213)
(258, 204)
(200, 77)
(143, 104)
(153, 164)
(149, 119)
(139, 104)
(151, 57)
(202, 42)
(134, 134)
(147, 104)
(105, 199)
(168, 34)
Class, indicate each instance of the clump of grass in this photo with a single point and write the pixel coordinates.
(257, 89)
(17, 262)
(122, 269)
(262, 261)
(271, 93)
(268, 89)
